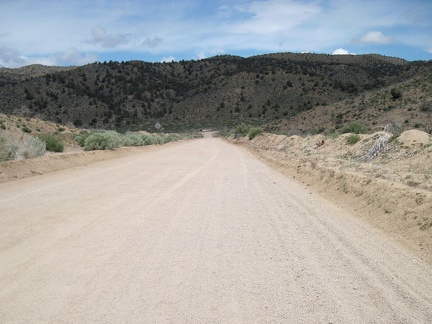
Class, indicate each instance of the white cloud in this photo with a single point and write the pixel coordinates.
(374, 37)
(72, 57)
(12, 59)
(152, 42)
(102, 38)
(273, 16)
(168, 59)
(341, 51)
(201, 56)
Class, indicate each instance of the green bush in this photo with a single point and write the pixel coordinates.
(354, 128)
(254, 131)
(147, 139)
(241, 129)
(353, 138)
(396, 93)
(25, 129)
(133, 140)
(7, 151)
(426, 106)
(52, 143)
(107, 140)
(82, 137)
(157, 140)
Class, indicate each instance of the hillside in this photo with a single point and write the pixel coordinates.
(274, 89)
(13, 76)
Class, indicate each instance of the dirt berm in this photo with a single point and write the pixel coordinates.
(19, 169)
(391, 189)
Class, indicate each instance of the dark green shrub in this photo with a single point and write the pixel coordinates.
(426, 106)
(395, 93)
(353, 138)
(53, 144)
(82, 137)
(25, 129)
(241, 129)
(355, 128)
(254, 131)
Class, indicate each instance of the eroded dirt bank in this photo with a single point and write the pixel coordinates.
(20, 169)
(393, 191)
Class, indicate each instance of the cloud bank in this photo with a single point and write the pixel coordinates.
(102, 38)
(71, 56)
(74, 32)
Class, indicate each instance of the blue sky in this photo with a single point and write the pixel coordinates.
(77, 32)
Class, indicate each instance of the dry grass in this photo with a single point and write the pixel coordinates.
(15, 146)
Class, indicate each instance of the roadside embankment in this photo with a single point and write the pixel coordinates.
(392, 190)
(19, 169)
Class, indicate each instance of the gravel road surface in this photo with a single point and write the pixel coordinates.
(196, 232)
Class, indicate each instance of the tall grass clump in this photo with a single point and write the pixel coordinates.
(254, 131)
(107, 140)
(53, 144)
(353, 138)
(18, 147)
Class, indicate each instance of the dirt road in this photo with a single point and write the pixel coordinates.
(196, 232)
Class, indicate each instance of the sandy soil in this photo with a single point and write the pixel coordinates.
(393, 192)
(196, 232)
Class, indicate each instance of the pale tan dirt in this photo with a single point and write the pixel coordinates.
(196, 232)
(414, 138)
(393, 192)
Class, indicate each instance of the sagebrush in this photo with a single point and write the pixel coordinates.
(108, 140)
(18, 147)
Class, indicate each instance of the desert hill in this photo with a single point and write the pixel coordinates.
(13, 76)
(316, 92)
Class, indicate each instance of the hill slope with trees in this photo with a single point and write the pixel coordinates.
(224, 90)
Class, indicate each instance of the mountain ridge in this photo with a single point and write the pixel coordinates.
(213, 92)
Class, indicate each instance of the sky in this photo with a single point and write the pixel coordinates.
(78, 32)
